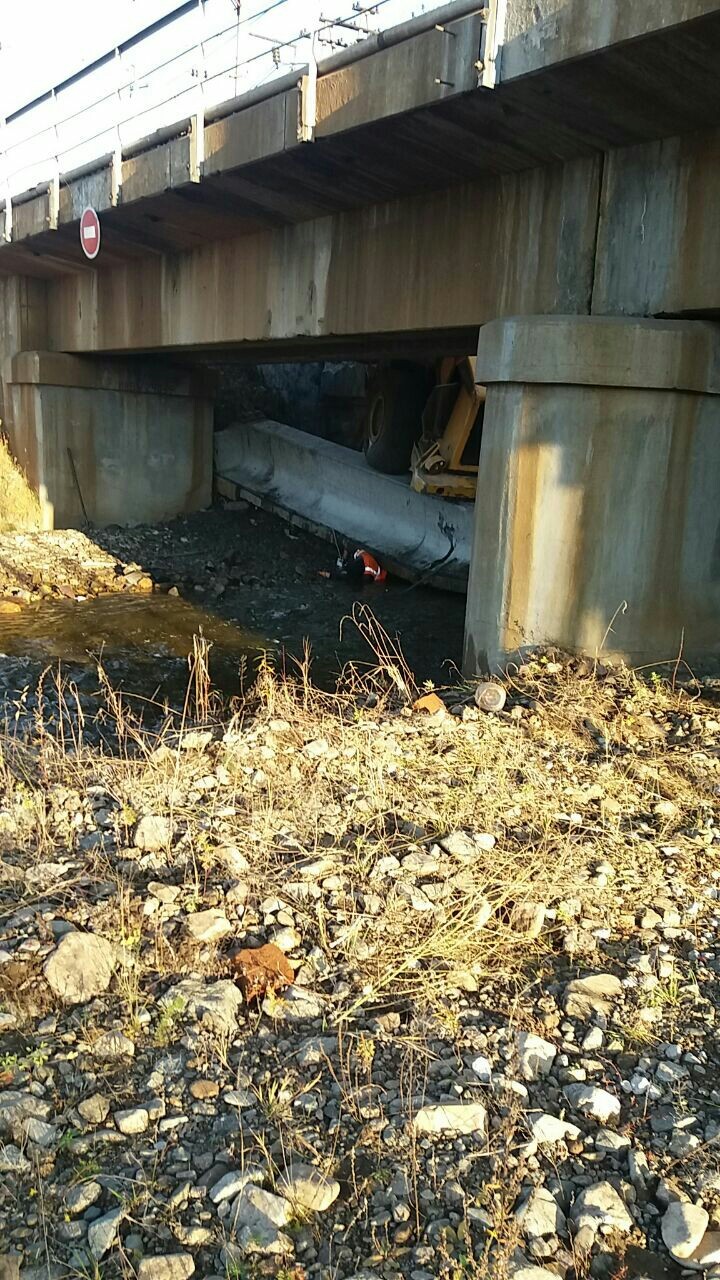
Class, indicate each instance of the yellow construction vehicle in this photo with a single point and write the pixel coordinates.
(430, 423)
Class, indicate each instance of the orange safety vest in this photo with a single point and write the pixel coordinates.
(371, 567)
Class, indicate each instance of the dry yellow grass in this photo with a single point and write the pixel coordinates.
(560, 786)
(19, 506)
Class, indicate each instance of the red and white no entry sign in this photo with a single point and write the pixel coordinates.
(90, 233)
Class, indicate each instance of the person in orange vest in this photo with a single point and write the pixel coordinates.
(358, 566)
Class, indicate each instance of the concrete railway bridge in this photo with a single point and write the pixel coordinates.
(541, 176)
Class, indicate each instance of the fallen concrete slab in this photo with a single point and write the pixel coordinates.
(330, 490)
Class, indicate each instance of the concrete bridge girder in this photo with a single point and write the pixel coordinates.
(631, 232)
(517, 243)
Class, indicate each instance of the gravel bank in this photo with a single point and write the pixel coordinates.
(495, 1052)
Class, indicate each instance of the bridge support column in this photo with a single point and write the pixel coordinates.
(23, 327)
(597, 524)
(110, 441)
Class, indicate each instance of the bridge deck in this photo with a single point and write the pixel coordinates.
(403, 120)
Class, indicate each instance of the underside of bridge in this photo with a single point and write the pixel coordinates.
(563, 215)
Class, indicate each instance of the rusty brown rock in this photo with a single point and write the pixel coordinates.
(429, 703)
(262, 969)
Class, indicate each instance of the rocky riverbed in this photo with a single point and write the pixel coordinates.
(485, 1042)
(236, 566)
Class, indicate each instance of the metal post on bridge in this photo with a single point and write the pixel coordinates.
(197, 142)
(493, 40)
(116, 175)
(5, 181)
(308, 83)
(5, 167)
(54, 183)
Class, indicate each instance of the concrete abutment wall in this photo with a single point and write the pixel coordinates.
(110, 442)
(133, 437)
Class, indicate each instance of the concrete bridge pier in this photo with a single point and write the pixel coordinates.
(109, 441)
(597, 524)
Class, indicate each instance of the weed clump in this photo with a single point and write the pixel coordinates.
(20, 510)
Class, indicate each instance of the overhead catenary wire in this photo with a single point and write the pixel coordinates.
(290, 42)
(155, 106)
(167, 62)
(184, 53)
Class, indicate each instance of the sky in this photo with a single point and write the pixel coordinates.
(30, 64)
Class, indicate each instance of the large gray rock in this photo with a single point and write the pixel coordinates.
(132, 1121)
(94, 1109)
(153, 833)
(168, 1266)
(81, 967)
(593, 1040)
(216, 1003)
(639, 1170)
(594, 994)
(102, 1233)
(600, 1208)
(593, 1101)
(306, 1186)
(256, 1218)
(231, 1184)
(453, 1117)
(12, 1159)
(82, 1197)
(549, 1130)
(16, 1108)
(111, 1045)
(296, 1005)
(208, 926)
(316, 1049)
(40, 1132)
(540, 1215)
(535, 1055)
(683, 1227)
(611, 1143)
(43, 875)
(482, 1067)
(468, 848)
(235, 861)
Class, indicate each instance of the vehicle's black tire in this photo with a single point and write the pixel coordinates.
(396, 399)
